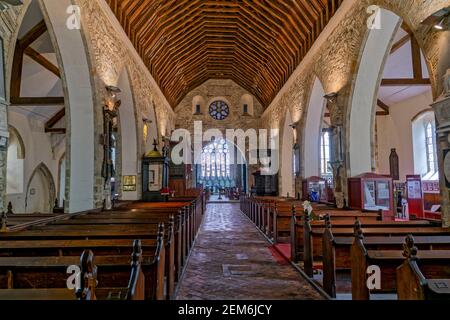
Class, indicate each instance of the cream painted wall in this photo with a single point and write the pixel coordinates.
(38, 149)
(395, 131)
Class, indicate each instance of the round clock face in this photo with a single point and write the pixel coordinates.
(219, 110)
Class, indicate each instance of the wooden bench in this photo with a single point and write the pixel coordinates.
(135, 289)
(336, 262)
(433, 263)
(413, 284)
(100, 232)
(114, 271)
(310, 232)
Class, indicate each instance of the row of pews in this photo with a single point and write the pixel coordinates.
(342, 249)
(136, 251)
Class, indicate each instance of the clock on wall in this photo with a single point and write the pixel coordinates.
(219, 110)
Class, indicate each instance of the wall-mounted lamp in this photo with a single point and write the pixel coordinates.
(331, 97)
(294, 125)
(112, 101)
(440, 25)
(439, 19)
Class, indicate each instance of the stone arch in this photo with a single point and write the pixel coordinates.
(128, 141)
(41, 191)
(72, 58)
(312, 130)
(287, 152)
(362, 109)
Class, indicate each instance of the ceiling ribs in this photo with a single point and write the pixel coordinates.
(258, 44)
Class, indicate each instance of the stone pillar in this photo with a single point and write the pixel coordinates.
(4, 137)
(442, 111)
(337, 153)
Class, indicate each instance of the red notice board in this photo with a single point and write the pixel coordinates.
(414, 195)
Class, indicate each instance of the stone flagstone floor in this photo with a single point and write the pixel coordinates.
(232, 261)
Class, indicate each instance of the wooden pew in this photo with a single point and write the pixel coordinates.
(174, 239)
(434, 263)
(114, 271)
(316, 229)
(87, 291)
(337, 259)
(412, 283)
(98, 236)
(88, 272)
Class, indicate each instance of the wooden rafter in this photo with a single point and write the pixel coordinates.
(416, 59)
(383, 106)
(417, 79)
(54, 120)
(32, 35)
(23, 47)
(256, 43)
(405, 82)
(400, 43)
(36, 101)
(39, 58)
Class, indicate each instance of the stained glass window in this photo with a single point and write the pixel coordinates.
(219, 110)
(430, 147)
(216, 160)
(325, 154)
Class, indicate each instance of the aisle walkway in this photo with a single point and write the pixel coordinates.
(231, 260)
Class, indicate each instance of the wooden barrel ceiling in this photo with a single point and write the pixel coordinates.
(256, 43)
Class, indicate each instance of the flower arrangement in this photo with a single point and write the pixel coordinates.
(307, 207)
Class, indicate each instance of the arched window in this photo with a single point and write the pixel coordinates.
(430, 147)
(424, 144)
(216, 160)
(325, 168)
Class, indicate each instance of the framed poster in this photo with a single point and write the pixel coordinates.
(414, 190)
(154, 178)
(129, 183)
(2, 73)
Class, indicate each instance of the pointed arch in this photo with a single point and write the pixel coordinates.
(71, 53)
(41, 191)
(362, 109)
(312, 130)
